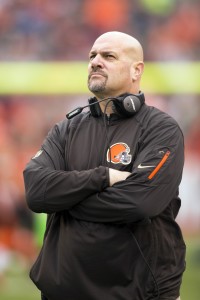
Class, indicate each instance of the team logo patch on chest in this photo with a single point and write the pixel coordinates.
(119, 154)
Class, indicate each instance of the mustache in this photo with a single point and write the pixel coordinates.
(97, 71)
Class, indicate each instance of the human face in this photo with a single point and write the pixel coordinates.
(109, 69)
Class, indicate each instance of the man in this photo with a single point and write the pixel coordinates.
(108, 180)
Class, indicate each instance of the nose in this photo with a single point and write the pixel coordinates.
(97, 62)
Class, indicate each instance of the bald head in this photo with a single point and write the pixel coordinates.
(123, 41)
(115, 65)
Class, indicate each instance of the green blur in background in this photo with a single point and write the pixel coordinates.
(54, 78)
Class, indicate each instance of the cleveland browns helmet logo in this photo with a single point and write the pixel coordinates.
(119, 153)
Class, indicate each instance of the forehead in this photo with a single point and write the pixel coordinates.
(107, 45)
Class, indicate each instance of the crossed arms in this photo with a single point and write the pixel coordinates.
(104, 194)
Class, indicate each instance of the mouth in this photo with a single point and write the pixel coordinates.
(96, 74)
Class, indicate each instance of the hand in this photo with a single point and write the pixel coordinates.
(116, 175)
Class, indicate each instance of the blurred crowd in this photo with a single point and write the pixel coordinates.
(63, 30)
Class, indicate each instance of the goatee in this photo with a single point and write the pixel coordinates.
(97, 85)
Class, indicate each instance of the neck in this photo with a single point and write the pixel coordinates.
(106, 105)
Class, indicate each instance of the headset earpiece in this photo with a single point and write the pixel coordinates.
(128, 104)
(131, 104)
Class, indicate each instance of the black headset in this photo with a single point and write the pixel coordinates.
(124, 105)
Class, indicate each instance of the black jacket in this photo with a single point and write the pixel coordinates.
(101, 242)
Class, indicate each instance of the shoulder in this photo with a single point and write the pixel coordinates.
(150, 116)
(62, 129)
(65, 124)
(158, 126)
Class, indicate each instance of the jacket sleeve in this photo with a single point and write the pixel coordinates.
(156, 175)
(49, 187)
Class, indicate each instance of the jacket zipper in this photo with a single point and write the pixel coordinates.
(108, 124)
(108, 119)
(159, 166)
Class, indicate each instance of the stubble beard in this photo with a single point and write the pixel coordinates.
(97, 86)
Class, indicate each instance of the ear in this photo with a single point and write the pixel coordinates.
(137, 70)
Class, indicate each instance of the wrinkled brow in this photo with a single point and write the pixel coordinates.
(102, 52)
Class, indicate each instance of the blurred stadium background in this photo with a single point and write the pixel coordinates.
(43, 68)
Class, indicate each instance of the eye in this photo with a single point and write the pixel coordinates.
(92, 56)
(110, 56)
